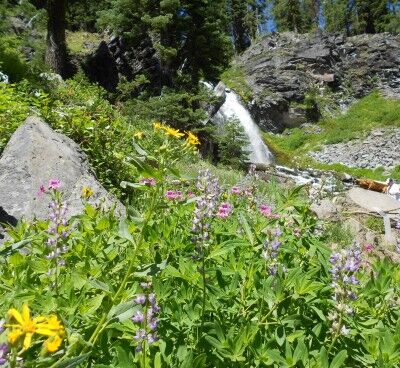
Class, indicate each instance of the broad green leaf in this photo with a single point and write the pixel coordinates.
(339, 359)
(73, 362)
(246, 228)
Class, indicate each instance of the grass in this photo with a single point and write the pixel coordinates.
(372, 111)
(235, 78)
(82, 43)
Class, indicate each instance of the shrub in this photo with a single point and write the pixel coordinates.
(11, 60)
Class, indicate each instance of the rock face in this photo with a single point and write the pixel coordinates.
(102, 68)
(34, 155)
(379, 148)
(282, 69)
(118, 58)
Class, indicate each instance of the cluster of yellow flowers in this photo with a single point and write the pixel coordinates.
(87, 192)
(22, 328)
(191, 139)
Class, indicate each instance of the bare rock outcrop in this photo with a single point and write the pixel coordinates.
(287, 71)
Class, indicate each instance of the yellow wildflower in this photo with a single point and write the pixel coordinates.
(53, 343)
(157, 125)
(26, 327)
(173, 132)
(139, 135)
(192, 139)
(87, 192)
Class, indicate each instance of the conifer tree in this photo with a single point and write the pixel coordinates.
(288, 15)
(372, 15)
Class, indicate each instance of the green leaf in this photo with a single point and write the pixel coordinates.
(122, 311)
(124, 232)
(139, 149)
(280, 335)
(246, 228)
(339, 359)
(73, 362)
(323, 358)
(301, 352)
(124, 358)
(96, 284)
(157, 360)
(200, 361)
(14, 247)
(93, 304)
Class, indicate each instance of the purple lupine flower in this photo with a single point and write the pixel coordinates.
(151, 338)
(3, 353)
(140, 299)
(153, 324)
(57, 230)
(138, 317)
(146, 317)
(270, 252)
(345, 265)
(2, 322)
(145, 285)
(205, 209)
(152, 298)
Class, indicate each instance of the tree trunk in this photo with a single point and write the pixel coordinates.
(56, 52)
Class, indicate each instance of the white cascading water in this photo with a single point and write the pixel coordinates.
(233, 108)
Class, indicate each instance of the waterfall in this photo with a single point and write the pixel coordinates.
(233, 108)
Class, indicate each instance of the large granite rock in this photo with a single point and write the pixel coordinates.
(282, 69)
(34, 155)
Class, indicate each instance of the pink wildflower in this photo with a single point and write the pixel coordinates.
(236, 190)
(151, 182)
(172, 194)
(41, 191)
(297, 232)
(368, 248)
(190, 194)
(54, 184)
(224, 210)
(266, 210)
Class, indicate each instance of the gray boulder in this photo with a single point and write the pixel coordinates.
(325, 209)
(34, 155)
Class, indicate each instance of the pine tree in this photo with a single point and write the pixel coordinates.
(245, 18)
(206, 48)
(311, 14)
(372, 15)
(288, 15)
(340, 16)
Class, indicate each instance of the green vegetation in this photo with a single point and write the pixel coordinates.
(375, 224)
(372, 111)
(12, 62)
(235, 78)
(199, 274)
(82, 42)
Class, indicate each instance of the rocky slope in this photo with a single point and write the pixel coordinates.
(286, 72)
(379, 148)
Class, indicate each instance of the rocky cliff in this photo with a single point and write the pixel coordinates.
(288, 72)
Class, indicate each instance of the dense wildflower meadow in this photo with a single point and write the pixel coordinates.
(197, 274)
